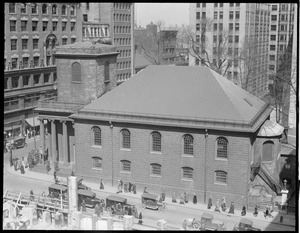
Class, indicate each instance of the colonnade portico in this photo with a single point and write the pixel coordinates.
(58, 143)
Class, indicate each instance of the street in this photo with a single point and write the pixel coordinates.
(174, 214)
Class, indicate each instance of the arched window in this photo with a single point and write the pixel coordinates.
(54, 9)
(188, 141)
(187, 173)
(155, 169)
(221, 177)
(125, 166)
(34, 8)
(96, 135)
(97, 162)
(106, 71)
(44, 9)
(72, 10)
(23, 8)
(63, 10)
(268, 150)
(222, 148)
(156, 141)
(76, 72)
(125, 139)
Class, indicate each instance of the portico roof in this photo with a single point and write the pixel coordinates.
(177, 92)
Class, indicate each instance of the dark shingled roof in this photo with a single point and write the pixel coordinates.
(184, 92)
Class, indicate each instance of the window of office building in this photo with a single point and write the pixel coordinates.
(237, 15)
(273, 17)
(215, 15)
(25, 62)
(188, 147)
(54, 9)
(12, 7)
(64, 10)
(13, 25)
(44, 9)
(156, 141)
(34, 25)
(24, 44)
(14, 63)
(272, 47)
(272, 67)
(54, 26)
(23, 25)
(63, 26)
(96, 136)
(45, 24)
(274, 7)
(73, 26)
(273, 27)
(230, 26)
(197, 15)
(23, 8)
(64, 41)
(237, 27)
(231, 4)
(272, 37)
(36, 61)
(36, 79)
(198, 5)
(197, 26)
(26, 79)
(35, 43)
(216, 5)
(203, 15)
(13, 44)
(203, 4)
(236, 39)
(230, 39)
(125, 139)
(34, 8)
(221, 15)
(72, 10)
(230, 14)
(236, 51)
(215, 26)
(15, 82)
(46, 77)
(73, 40)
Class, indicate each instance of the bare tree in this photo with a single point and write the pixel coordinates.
(200, 47)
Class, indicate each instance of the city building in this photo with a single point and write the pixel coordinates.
(120, 18)
(157, 44)
(236, 39)
(32, 32)
(86, 70)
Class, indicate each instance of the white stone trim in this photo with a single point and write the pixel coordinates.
(13, 37)
(25, 37)
(35, 37)
(25, 55)
(12, 18)
(14, 56)
(24, 18)
(64, 20)
(45, 19)
(73, 36)
(73, 20)
(36, 55)
(55, 19)
(64, 36)
(35, 19)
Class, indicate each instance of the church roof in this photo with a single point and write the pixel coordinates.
(177, 92)
(141, 61)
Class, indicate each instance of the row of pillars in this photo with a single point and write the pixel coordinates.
(55, 152)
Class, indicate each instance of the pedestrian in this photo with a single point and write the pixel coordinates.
(135, 211)
(129, 210)
(163, 196)
(231, 209)
(185, 197)
(119, 187)
(223, 204)
(255, 213)
(31, 195)
(121, 183)
(181, 199)
(267, 211)
(145, 190)
(101, 208)
(195, 199)
(22, 169)
(101, 184)
(72, 173)
(126, 187)
(217, 208)
(83, 207)
(174, 198)
(209, 205)
(140, 218)
(129, 187)
(15, 165)
(54, 175)
(243, 213)
(97, 210)
(134, 188)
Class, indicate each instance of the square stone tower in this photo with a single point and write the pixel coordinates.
(85, 71)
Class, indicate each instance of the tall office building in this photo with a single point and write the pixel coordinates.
(32, 31)
(236, 39)
(120, 18)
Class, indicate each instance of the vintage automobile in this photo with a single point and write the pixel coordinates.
(151, 201)
(208, 224)
(245, 225)
(191, 224)
(16, 143)
(89, 198)
(117, 205)
(80, 185)
(55, 190)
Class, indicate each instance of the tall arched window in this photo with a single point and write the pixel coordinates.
(54, 9)
(23, 8)
(188, 147)
(156, 141)
(268, 151)
(76, 72)
(96, 135)
(72, 10)
(63, 10)
(34, 8)
(44, 9)
(222, 148)
(106, 71)
(125, 139)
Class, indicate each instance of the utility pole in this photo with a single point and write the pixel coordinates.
(205, 155)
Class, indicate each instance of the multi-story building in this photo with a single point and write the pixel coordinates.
(283, 29)
(120, 18)
(157, 45)
(235, 37)
(32, 31)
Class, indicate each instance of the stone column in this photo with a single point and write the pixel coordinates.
(53, 135)
(49, 139)
(42, 134)
(65, 142)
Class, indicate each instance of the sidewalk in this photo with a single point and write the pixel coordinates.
(288, 219)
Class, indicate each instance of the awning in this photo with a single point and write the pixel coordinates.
(31, 120)
(270, 129)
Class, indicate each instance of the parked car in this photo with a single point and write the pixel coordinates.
(208, 224)
(245, 225)
(191, 224)
(89, 198)
(55, 190)
(16, 143)
(117, 205)
(151, 201)
(80, 185)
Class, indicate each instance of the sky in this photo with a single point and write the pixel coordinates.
(170, 13)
